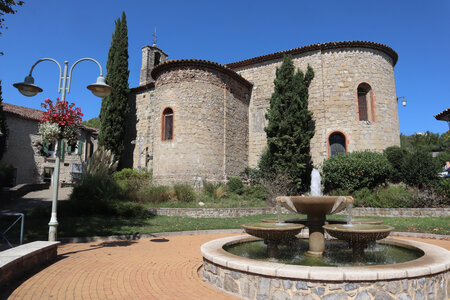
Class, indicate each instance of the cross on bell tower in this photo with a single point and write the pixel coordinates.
(154, 38)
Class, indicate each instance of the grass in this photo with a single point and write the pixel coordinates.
(36, 227)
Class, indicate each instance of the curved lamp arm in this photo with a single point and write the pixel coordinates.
(75, 63)
(59, 66)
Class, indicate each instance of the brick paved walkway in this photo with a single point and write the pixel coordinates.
(159, 268)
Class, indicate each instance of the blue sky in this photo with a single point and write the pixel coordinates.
(228, 31)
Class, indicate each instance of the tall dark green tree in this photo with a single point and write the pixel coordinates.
(3, 127)
(115, 109)
(290, 127)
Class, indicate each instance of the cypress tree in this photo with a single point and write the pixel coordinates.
(290, 127)
(3, 127)
(115, 108)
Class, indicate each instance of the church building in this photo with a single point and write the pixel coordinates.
(196, 119)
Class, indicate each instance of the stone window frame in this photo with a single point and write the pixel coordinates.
(371, 115)
(163, 119)
(328, 141)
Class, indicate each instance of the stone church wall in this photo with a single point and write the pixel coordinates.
(210, 125)
(332, 99)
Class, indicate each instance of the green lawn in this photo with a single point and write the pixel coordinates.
(36, 228)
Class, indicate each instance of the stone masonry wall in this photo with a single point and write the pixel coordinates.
(332, 99)
(209, 112)
(250, 286)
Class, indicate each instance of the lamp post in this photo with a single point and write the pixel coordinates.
(29, 89)
(403, 100)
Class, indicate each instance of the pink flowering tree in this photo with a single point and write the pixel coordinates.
(60, 120)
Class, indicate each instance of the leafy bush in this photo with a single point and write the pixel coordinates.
(442, 188)
(385, 197)
(420, 169)
(235, 185)
(428, 197)
(6, 176)
(184, 192)
(255, 192)
(395, 155)
(131, 181)
(155, 194)
(252, 175)
(443, 157)
(356, 170)
(95, 193)
(214, 190)
(128, 209)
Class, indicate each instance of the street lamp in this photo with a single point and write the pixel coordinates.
(403, 100)
(29, 89)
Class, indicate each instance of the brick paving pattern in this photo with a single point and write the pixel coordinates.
(158, 268)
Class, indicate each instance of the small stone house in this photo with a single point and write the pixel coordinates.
(33, 159)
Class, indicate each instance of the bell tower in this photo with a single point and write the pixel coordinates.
(151, 57)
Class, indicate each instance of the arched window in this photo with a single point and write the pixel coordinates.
(364, 101)
(157, 58)
(337, 143)
(167, 124)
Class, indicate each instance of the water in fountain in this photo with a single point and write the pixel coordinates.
(315, 183)
(349, 214)
(279, 213)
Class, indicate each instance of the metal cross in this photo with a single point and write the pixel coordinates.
(154, 38)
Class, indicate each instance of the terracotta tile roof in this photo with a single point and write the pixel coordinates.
(200, 63)
(314, 47)
(33, 114)
(444, 115)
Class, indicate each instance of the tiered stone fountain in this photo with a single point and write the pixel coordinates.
(427, 269)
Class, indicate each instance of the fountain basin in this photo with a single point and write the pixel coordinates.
(273, 234)
(358, 236)
(248, 278)
(315, 205)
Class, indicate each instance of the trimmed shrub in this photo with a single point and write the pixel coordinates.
(235, 185)
(356, 170)
(395, 155)
(131, 181)
(95, 193)
(385, 197)
(155, 194)
(420, 169)
(184, 192)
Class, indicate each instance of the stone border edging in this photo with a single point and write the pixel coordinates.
(252, 211)
(19, 260)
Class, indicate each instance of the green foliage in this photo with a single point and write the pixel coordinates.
(395, 155)
(443, 157)
(155, 194)
(131, 181)
(255, 192)
(356, 170)
(420, 169)
(95, 194)
(184, 192)
(426, 142)
(115, 109)
(290, 126)
(442, 188)
(6, 176)
(235, 185)
(214, 190)
(101, 163)
(94, 123)
(3, 126)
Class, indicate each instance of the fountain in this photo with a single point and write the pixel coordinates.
(393, 268)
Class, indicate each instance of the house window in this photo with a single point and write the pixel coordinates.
(167, 124)
(337, 143)
(364, 102)
(48, 173)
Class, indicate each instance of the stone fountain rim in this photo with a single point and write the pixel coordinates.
(290, 227)
(341, 228)
(435, 260)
